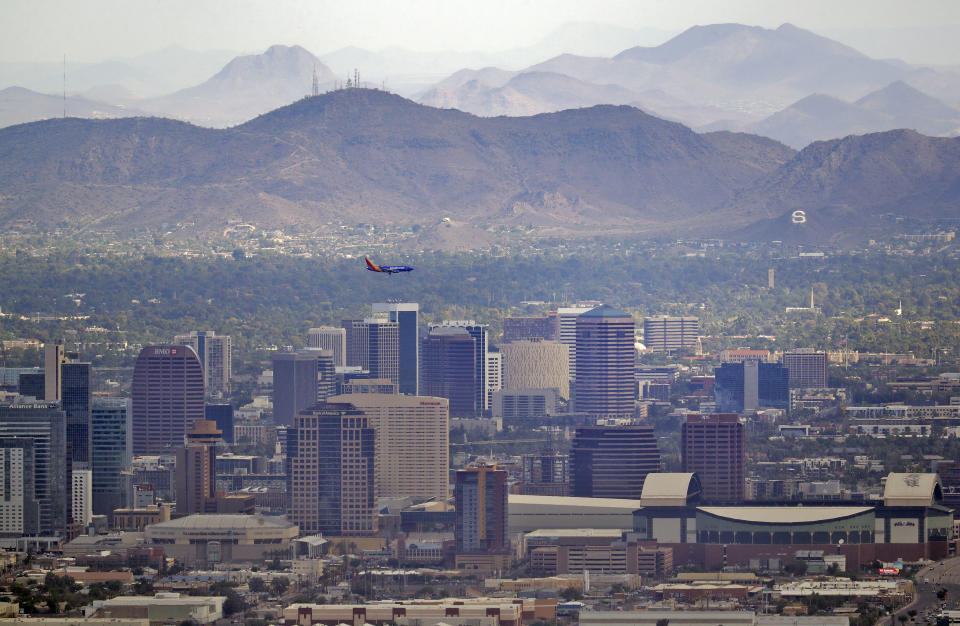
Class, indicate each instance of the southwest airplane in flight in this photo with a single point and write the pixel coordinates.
(386, 269)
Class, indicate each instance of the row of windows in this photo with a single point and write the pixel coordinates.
(784, 538)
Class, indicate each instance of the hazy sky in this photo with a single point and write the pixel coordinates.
(94, 30)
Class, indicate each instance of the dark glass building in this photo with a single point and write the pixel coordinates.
(222, 416)
(168, 397)
(449, 369)
(712, 446)
(111, 445)
(75, 402)
(612, 461)
(605, 383)
(32, 384)
(751, 385)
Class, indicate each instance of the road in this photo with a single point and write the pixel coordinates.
(940, 575)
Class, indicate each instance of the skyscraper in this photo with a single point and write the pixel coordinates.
(373, 344)
(53, 358)
(479, 332)
(19, 508)
(519, 328)
(494, 374)
(666, 333)
(330, 338)
(81, 495)
(480, 497)
(605, 383)
(413, 458)
(45, 425)
(406, 315)
(331, 449)
(300, 380)
(612, 461)
(75, 402)
(111, 445)
(197, 469)
(713, 447)
(449, 369)
(168, 397)
(566, 321)
(807, 368)
(215, 352)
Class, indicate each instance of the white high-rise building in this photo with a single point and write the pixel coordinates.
(19, 511)
(494, 375)
(215, 356)
(567, 331)
(330, 338)
(81, 494)
(667, 333)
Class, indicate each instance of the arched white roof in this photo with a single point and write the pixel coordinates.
(910, 489)
(669, 489)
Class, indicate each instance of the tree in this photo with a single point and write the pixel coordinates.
(279, 585)
(941, 594)
(256, 584)
(571, 593)
(663, 621)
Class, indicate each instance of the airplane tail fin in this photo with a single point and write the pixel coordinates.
(371, 265)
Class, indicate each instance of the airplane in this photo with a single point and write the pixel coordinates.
(386, 269)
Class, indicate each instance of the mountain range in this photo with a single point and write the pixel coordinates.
(366, 154)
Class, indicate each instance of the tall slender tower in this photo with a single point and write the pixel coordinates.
(407, 317)
(197, 469)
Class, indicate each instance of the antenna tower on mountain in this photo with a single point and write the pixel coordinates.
(316, 82)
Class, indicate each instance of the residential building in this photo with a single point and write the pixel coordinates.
(666, 333)
(480, 500)
(81, 495)
(215, 352)
(494, 374)
(605, 384)
(168, 397)
(19, 508)
(330, 338)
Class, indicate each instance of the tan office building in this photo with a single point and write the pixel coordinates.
(412, 442)
(537, 364)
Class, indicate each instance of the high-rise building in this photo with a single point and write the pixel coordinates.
(520, 328)
(666, 333)
(449, 369)
(45, 425)
(605, 383)
(197, 469)
(111, 445)
(331, 450)
(407, 317)
(537, 364)
(373, 345)
(168, 397)
(300, 380)
(751, 385)
(413, 458)
(53, 357)
(81, 495)
(75, 402)
(330, 338)
(494, 373)
(479, 332)
(807, 368)
(480, 498)
(566, 324)
(32, 384)
(222, 416)
(215, 352)
(612, 461)
(19, 508)
(713, 447)
(545, 473)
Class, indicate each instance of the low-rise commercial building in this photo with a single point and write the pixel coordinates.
(202, 540)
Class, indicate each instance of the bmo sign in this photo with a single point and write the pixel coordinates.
(165, 351)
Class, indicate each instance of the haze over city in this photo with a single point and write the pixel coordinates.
(451, 313)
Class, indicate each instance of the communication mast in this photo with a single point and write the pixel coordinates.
(316, 82)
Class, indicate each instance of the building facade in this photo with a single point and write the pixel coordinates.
(449, 369)
(111, 446)
(807, 369)
(480, 497)
(605, 383)
(413, 443)
(332, 471)
(168, 397)
(666, 333)
(520, 328)
(537, 364)
(216, 357)
(751, 385)
(19, 508)
(197, 469)
(612, 461)
(713, 447)
(407, 317)
(300, 380)
(330, 338)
